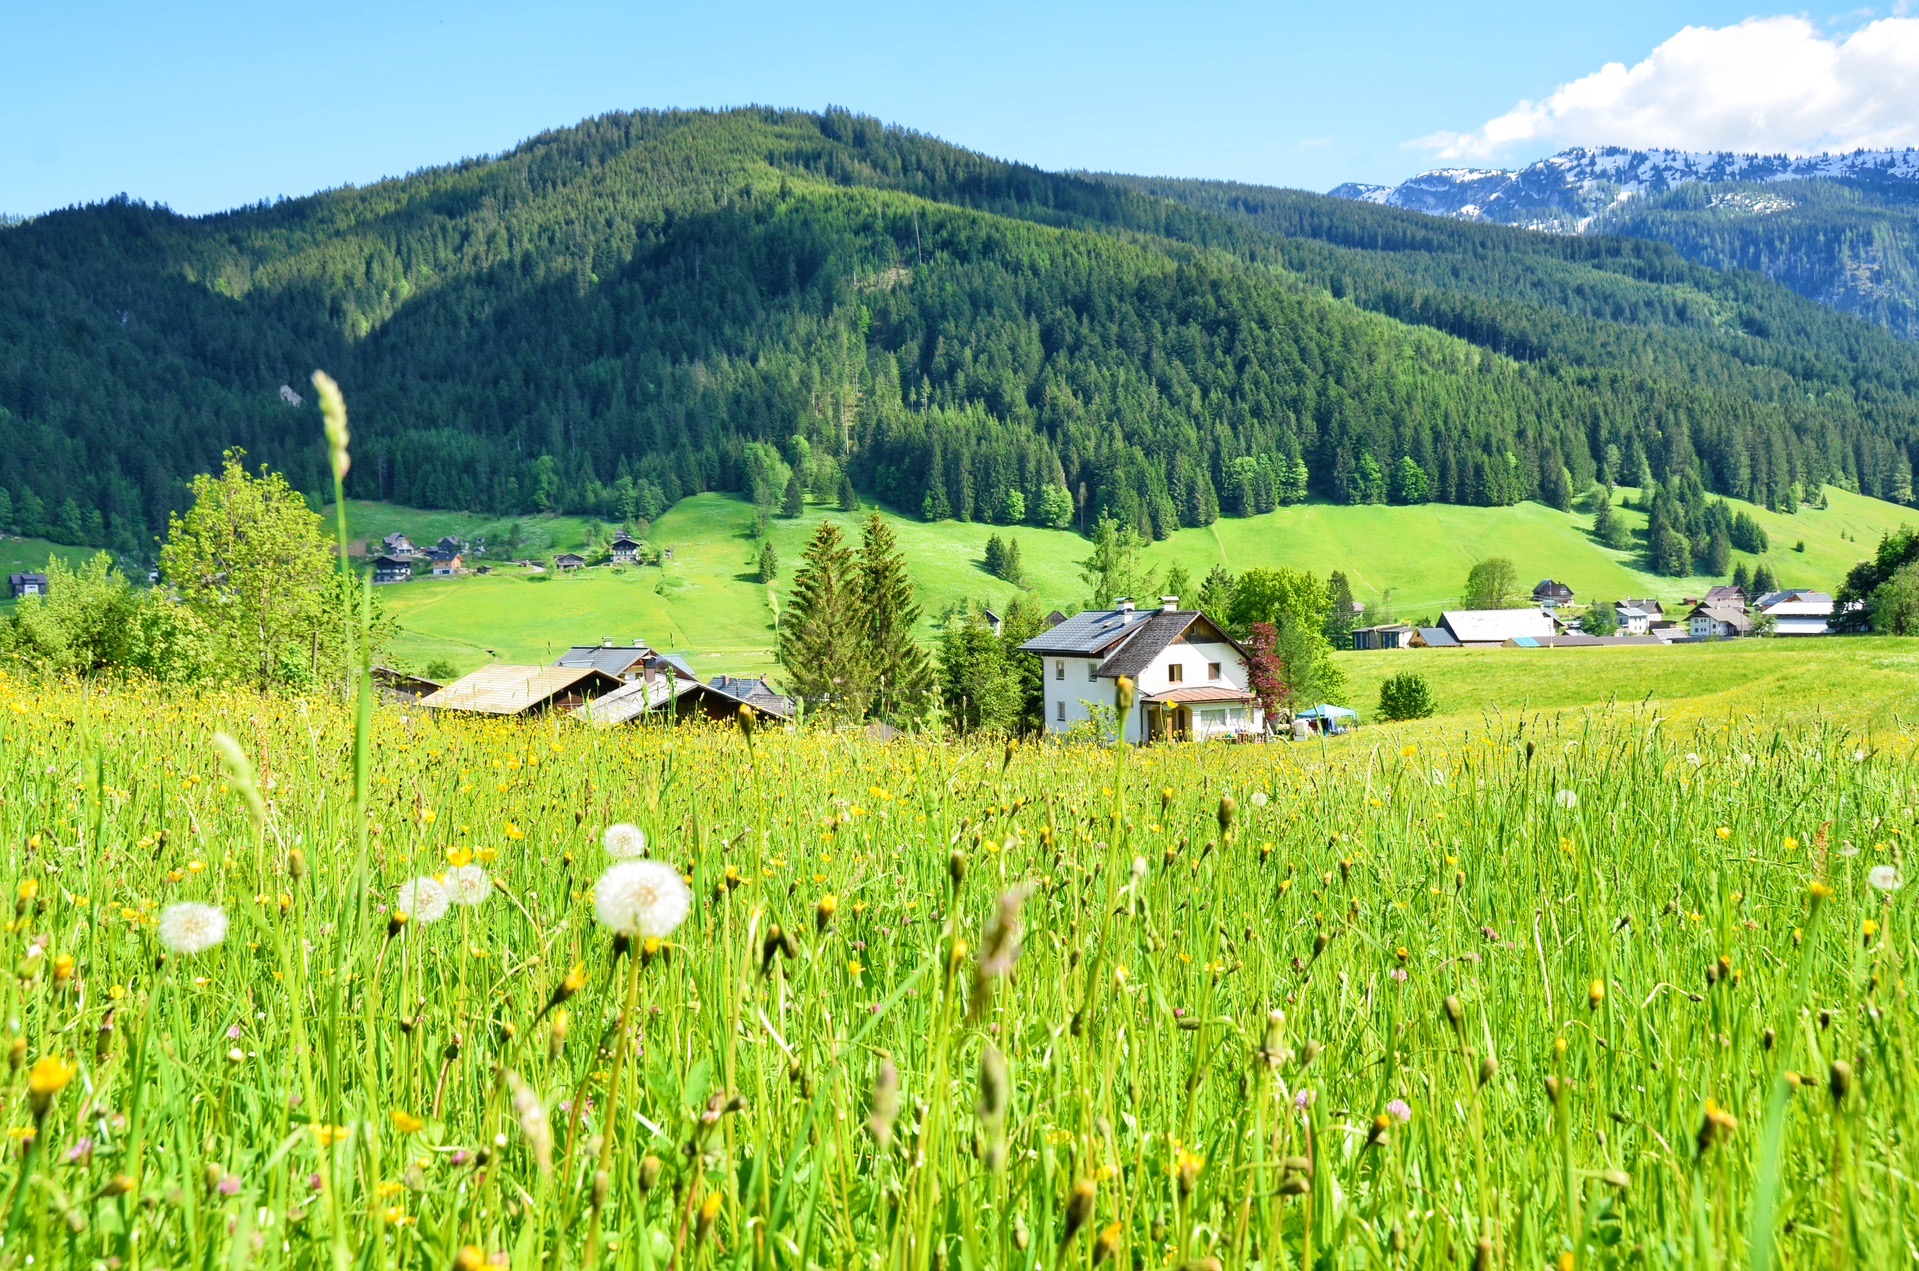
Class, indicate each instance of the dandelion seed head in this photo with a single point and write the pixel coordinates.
(624, 842)
(642, 898)
(1885, 878)
(191, 927)
(1567, 799)
(467, 885)
(423, 900)
(1259, 798)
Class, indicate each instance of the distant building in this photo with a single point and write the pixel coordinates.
(993, 620)
(1190, 677)
(625, 551)
(446, 564)
(1653, 608)
(1631, 619)
(1727, 596)
(392, 569)
(1710, 621)
(450, 545)
(399, 545)
(1797, 612)
(399, 686)
(624, 662)
(1550, 594)
(567, 562)
(1490, 628)
(1432, 638)
(521, 690)
(24, 585)
(1391, 635)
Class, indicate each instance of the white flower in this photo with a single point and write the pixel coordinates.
(423, 900)
(1567, 799)
(467, 884)
(624, 842)
(642, 898)
(1693, 759)
(191, 927)
(1259, 798)
(1139, 867)
(1885, 877)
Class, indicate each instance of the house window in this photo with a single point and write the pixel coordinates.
(1212, 670)
(1212, 721)
(1175, 674)
(1059, 711)
(1059, 669)
(1092, 672)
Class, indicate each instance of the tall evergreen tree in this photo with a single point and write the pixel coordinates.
(901, 674)
(769, 562)
(1339, 619)
(1216, 593)
(822, 642)
(794, 501)
(849, 498)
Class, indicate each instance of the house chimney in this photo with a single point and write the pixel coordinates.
(1124, 604)
(1168, 604)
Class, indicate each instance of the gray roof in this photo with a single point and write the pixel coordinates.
(1089, 634)
(614, 661)
(1438, 638)
(1129, 641)
(755, 693)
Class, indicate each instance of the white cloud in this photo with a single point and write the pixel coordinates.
(1767, 84)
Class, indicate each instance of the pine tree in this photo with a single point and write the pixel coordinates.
(6, 509)
(1339, 620)
(1216, 593)
(795, 501)
(1011, 570)
(849, 498)
(1178, 583)
(822, 632)
(1763, 581)
(1742, 577)
(769, 562)
(898, 665)
(995, 556)
(1718, 554)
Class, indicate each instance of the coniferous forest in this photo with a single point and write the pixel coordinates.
(645, 306)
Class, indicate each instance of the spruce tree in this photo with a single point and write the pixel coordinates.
(1762, 581)
(795, 501)
(995, 556)
(1339, 621)
(1011, 569)
(822, 635)
(1742, 577)
(769, 562)
(897, 665)
(6, 509)
(849, 499)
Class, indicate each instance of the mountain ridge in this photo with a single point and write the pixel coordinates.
(1842, 229)
(647, 305)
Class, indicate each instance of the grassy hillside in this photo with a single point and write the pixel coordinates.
(29, 556)
(706, 601)
(1865, 682)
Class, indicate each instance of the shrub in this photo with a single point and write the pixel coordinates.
(1405, 696)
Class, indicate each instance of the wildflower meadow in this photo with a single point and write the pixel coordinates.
(1598, 990)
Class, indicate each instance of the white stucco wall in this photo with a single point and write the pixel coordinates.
(1066, 698)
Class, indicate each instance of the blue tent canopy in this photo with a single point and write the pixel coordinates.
(1323, 711)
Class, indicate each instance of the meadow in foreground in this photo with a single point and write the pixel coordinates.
(1596, 991)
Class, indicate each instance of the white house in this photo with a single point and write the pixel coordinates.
(1190, 677)
(1797, 612)
(1631, 619)
(1713, 621)
(1490, 628)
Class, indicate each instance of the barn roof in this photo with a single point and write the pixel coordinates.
(516, 690)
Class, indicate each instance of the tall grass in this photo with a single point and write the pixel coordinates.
(1578, 992)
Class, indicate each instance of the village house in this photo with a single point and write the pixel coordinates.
(521, 690)
(1390, 635)
(1551, 595)
(1631, 619)
(24, 585)
(399, 545)
(402, 686)
(1797, 612)
(1490, 628)
(567, 562)
(446, 564)
(1432, 638)
(1727, 595)
(625, 551)
(624, 662)
(1710, 621)
(392, 569)
(1190, 677)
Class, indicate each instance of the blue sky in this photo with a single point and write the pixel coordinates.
(207, 105)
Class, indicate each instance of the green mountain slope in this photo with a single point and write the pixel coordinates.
(615, 316)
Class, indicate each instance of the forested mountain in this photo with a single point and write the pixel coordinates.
(615, 315)
(1842, 229)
